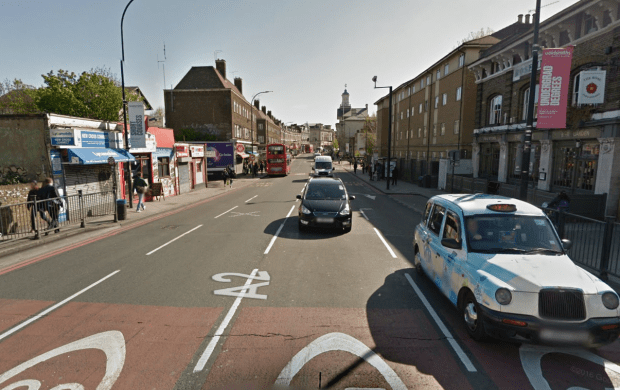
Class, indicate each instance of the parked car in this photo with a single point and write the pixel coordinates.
(502, 264)
(325, 203)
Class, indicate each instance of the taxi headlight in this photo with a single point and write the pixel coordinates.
(503, 296)
(610, 300)
(345, 211)
(305, 210)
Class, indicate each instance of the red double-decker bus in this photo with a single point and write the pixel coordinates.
(278, 160)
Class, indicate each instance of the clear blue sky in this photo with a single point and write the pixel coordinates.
(305, 51)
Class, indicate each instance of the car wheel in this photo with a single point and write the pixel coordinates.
(418, 264)
(473, 318)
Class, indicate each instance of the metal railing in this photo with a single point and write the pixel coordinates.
(595, 244)
(32, 219)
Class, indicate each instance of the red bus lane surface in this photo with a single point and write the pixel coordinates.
(122, 346)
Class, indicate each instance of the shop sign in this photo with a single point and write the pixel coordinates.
(591, 87)
(488, 138)
(241, 148)
(94, 139)
(522, 69)
(151, 145)
(576, 134)
(197, 151)
(137, 129)
(553, 91)
(210, 153)
(63, 137)
(182, 150)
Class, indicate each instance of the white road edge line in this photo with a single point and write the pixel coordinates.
(204, 358)
(385, 243)
(173, 240)
(279, 230)
(52, 308)
(364, 214)
(226, 212)
(251, 198)
(457, 348)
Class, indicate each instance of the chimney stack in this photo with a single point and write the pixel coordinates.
(264, 109)
(527, 19)
(239, 84)
(257, 104)
(269, 114)
(520, 18)
(220, 65)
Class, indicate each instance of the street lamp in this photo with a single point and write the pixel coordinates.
(127, 170)
(374, 79)
(252, 120)
(529, 126)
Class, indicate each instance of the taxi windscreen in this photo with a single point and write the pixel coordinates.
(511, 234)
(323, 165)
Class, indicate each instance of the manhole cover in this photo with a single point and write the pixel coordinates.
(170, 227)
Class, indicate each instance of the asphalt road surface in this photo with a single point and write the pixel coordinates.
(229, 295)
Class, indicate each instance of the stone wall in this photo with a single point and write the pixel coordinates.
(24, 141)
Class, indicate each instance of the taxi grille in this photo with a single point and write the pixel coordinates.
(561, 304)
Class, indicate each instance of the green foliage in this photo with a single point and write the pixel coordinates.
(12, 178)
(17, 98)
(190, 134)
(335, 144)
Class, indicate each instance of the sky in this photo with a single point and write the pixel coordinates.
(303, 51)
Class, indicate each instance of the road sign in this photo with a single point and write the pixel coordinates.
(111, 160)
(240, 148)
(252, 157)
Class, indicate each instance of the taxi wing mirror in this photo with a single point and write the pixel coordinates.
(298, 196)
(567, 244)
(451, 243)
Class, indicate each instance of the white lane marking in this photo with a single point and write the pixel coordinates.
(364, 214)
(338, 342)
(52, 308)
(173, 240)
(457, 348)
(112, 343)
(244, 291)
(220, 330)
(385, 243)
(251, 198)
(226, 212)
(279, 230)
(370, 196)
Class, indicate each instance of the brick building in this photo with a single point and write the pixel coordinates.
(206, 106)
(578, 159)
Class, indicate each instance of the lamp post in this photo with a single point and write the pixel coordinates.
(527, 145)
(126, 132)
(374, 79)
(251, 118)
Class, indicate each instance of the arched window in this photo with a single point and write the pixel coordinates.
(526, 103)
(495, 110)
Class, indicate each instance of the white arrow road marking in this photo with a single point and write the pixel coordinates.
(457, 348)
(112, 343)
(52, 308)
(338, 342)
(220, 330)
(279, 230)
(370, 196)
(226, 212)
(173, 240)
(531, 356)
(385, 243)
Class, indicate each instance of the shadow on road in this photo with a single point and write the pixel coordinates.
(291, 231)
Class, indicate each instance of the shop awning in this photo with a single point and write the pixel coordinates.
(163, 153)
(243, 155)
(86, 156)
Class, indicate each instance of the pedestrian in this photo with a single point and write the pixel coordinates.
(560, 202)
(260, 167)
(141, 186)
(34, 207)
(255, 170)
(355, 166)
(370, 172)
(48, 192)
(231, 174)
(395, 176)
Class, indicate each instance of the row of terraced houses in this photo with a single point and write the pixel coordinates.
(474, 100)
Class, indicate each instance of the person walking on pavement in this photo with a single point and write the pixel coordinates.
(394, 176)
(141, 186)
(231, 175)
(260, 167)
(35, 208)
(255, 170)
(225, 176)
(355, 167)
(48, 191)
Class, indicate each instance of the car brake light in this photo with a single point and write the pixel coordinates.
(503, 208)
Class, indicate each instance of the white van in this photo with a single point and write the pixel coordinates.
(323, 166)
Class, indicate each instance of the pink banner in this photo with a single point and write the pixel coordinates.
(553, 90)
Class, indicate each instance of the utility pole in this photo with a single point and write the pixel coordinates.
(127, 169)
(529, 127)
(389, 132)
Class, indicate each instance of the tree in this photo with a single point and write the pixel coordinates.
(370, 129)
(16, 97)
(475, 35)
(335, 144)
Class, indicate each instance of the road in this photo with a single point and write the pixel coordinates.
(163, 306)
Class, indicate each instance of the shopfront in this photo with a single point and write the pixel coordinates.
(197, 168)
(183, 166)
(166, 173)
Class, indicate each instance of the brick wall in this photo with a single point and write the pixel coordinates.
(207, 112)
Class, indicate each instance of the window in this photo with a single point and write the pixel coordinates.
(419, 132)
(461, 60)
(443, 129)
(526, 103)
(575, 167)
(428, 80)
(425, 132)
(413, 89)
(407, 113)
(438, 74)
(446, 69)
(436, 101)
(459, 91)
(163, 167)
(456, 126)
(589, 24)
(260, 126)
(495, 109)
(418, 155)
(436, 219)
(445, 99)
(564, 38)
(421, 83)
(440, 154)
(420, 110)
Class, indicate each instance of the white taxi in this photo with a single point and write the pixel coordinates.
(502, 264)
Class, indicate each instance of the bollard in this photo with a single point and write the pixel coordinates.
(82, 223)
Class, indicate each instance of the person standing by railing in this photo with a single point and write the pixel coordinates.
(53, 204)
(34, 208)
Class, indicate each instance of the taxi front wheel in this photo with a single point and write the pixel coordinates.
(472, 317)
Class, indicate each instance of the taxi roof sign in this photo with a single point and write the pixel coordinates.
(502, 208)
